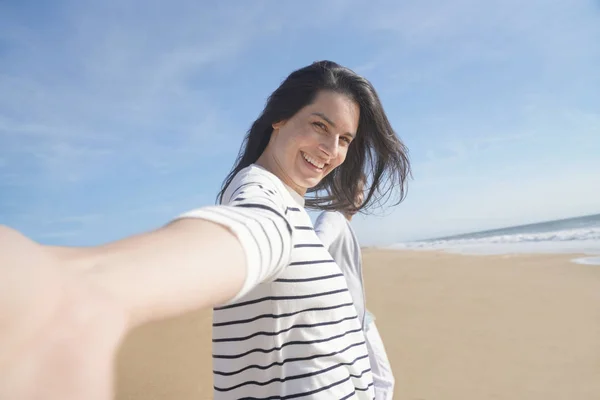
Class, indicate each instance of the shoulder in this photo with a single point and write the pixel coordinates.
(330, 227)
(334, 218)
(257, 180)
(255, 175)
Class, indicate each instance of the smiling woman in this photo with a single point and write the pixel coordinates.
(340, 107)
(284, 324)
(309, 145)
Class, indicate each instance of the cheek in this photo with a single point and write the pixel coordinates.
(287, 143)
(340, 158)
(308, 137)
(298, 138)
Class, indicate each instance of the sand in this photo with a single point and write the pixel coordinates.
(455, 327)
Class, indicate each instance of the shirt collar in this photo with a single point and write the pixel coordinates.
(295, 195)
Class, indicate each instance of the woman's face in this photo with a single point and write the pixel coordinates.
(308, 146)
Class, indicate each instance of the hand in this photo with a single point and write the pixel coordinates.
(58, 332)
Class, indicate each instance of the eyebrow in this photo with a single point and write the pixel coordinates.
(330, 122)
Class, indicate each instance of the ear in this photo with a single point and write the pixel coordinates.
(278, 125)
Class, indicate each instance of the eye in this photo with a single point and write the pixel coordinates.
(320, 125)
(346, 139)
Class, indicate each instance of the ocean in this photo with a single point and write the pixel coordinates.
(580, 235)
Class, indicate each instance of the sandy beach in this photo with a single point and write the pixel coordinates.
(455, 327)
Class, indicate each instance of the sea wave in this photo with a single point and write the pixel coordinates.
(553, 236)
(575, 241)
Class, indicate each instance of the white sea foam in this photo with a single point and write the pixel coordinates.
(587, 260)
(579, 241)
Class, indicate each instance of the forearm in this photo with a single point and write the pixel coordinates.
(76, 258)
(186, 265)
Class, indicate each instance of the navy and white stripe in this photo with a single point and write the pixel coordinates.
(254, 212)
(293, 331)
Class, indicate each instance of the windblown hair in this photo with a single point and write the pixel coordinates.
(376, 151)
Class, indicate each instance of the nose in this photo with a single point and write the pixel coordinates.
(330, 146)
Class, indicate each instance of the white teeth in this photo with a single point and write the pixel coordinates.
(312, 161)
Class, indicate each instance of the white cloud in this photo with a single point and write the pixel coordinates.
(114, 85)
(122, 76)
(431, 41)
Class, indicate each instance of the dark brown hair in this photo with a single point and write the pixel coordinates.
(377, 151)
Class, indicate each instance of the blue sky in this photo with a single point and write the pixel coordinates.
(116, 116)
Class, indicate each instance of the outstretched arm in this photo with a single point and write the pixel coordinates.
(185, 265)
(60, 327)
(204, 258)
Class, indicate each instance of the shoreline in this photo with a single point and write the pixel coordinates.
(575, 257)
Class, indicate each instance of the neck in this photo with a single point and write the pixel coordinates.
(271, 164)
(348, 216)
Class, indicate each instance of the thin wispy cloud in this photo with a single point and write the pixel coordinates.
(110, 86)
(134, 111)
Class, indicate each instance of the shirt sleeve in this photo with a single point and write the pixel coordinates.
(369, 320)
(253, 209)
(383, 377)
(328, 227)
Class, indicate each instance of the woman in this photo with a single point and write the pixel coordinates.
(284, 325)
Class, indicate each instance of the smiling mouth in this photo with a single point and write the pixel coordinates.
(313, 162)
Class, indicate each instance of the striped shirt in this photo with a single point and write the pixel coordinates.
(292, 331)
